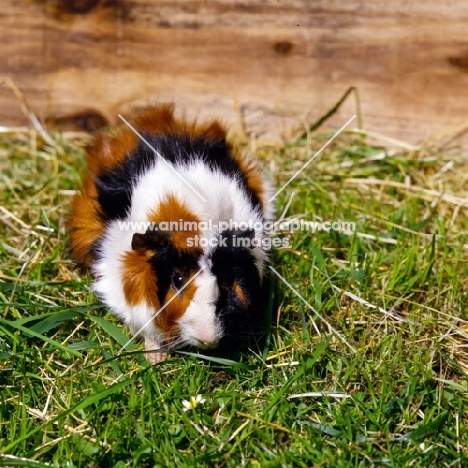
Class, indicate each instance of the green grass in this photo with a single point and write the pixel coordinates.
(385, 368)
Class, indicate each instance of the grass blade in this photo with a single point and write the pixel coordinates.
(113, 331)
(423, 431)
(217, 360)
(52, 342)
(11, 460)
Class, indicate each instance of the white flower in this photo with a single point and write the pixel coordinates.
(193, 402)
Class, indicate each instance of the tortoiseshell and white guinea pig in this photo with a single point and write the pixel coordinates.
(196, 282)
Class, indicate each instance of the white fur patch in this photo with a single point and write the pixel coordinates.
(199, 326)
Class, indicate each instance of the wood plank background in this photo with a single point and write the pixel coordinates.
(272, 65)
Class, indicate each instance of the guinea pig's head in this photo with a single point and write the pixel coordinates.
(202, 295)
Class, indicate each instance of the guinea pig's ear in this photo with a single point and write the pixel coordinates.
(150, 240)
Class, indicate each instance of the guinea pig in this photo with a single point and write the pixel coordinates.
(170, 220)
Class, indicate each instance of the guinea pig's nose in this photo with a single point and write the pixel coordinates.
(207, 337)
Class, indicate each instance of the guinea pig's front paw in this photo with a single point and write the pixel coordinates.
(152, 356)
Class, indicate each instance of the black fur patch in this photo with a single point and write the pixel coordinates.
(230, 266)
(115, 187)
(114, 195)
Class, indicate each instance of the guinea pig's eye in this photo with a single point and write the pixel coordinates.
(178, 281)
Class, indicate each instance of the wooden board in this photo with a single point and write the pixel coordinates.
(272, 65)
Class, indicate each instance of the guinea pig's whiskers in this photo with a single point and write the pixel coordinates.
(168, 338)
(173, 344)
(153, 316)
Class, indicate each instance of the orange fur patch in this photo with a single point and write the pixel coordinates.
(239, 292)
(254, 178)
(156, 120)
(86, 224)
(108, 150)
(167, 320)
(160, 120)
(139, 279)
(172, 210)
(105, 152)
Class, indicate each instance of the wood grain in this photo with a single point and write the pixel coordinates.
(272, 65)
